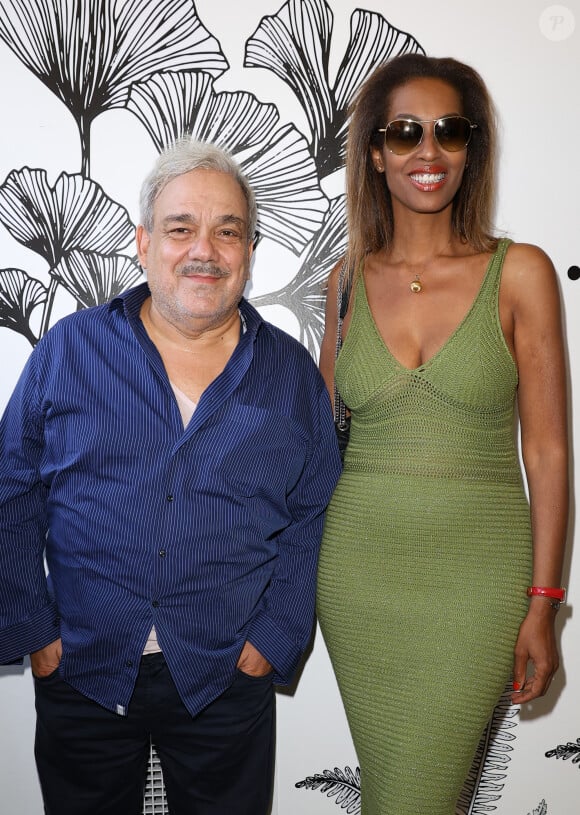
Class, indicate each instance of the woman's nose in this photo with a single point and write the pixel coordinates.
(429, 146)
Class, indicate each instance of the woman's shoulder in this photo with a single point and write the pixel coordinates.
(527, 255)
(528, 271)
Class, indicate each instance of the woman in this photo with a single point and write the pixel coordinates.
(430, 544)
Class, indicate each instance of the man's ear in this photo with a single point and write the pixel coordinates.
(142, 241)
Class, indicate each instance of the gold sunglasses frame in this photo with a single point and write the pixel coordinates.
(434, 122)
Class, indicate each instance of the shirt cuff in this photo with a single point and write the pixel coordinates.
(30, 635)
(283, 654)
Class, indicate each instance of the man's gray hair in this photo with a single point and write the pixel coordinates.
(183, 156)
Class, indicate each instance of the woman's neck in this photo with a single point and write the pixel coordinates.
(419, 237)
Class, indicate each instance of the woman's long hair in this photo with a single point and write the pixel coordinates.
(368, 200)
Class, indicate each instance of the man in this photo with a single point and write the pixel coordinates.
(171, 454)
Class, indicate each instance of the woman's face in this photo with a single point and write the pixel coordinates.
(427, 178)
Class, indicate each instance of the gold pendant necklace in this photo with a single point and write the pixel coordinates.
(415, 285)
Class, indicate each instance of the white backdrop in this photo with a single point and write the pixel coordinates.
(529, 55)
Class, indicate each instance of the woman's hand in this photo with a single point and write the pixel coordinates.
(536, 643)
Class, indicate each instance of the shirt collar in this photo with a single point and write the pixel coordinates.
(130, 302)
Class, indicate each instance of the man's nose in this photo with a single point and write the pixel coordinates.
(201, 246)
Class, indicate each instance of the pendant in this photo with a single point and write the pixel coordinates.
(415, 285)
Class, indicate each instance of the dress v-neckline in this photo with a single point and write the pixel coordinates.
(450, 338)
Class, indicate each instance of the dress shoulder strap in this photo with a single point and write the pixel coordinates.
(496, 264)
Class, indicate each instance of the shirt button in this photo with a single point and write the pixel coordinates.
(155, 603)
(162, 553)
(170, 497)
(129, 663)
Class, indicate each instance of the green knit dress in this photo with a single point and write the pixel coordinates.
(426, 554)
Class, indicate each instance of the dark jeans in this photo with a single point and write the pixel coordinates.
(92, 762)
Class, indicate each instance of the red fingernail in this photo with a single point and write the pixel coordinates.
(517, 686)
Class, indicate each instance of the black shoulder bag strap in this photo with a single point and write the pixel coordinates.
(341, 420)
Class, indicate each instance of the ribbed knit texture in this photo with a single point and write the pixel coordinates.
(426, 554)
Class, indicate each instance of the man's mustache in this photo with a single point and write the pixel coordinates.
(202, 269)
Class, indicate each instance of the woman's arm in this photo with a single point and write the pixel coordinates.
(538, 345)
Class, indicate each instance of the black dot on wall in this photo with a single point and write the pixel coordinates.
(574, 272)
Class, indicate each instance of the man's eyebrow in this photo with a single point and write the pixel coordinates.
(179, 217)
(188, 218)
(232, 219)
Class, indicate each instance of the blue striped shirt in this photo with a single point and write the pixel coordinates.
(210, 533)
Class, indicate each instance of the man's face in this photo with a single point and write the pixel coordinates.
(197, 255)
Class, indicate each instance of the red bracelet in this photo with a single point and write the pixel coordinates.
(557, 595)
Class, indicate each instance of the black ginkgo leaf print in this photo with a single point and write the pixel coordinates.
(73, 215)
(90, 52)
(343, 786)
(93, 279)
(276, 160)
(20, 295)
(291, 203)
(172, 104)
(305, 294)
(295, 44)
(52, 220)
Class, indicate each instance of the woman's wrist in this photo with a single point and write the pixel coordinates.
(553, 596)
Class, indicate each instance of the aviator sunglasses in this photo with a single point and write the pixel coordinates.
(452, 133)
